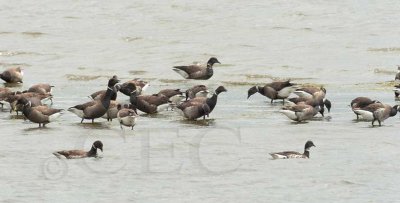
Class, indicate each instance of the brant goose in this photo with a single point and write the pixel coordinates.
(136, 84)
(112, 111)
(200, 106)
(12, 75)
(294, 155)
(359, 103)
(274, 90)
(149, 103)
(197, 71)
(126, 116)
(311, 92)
(77, 154)
(33, 97)
(322, 103)
(397, 78)
(301, 111)
(377, 112)
(97, 108)
(41, 88)
(196, 91)
(38, 114)
(175, 95)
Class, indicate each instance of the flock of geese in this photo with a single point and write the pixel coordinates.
(194, 103)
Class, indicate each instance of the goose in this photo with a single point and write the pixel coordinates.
(359, 103)
(12, 75)
(126, 116)
(294, 155)
(76, 154)
(377, 112)
(149, 104)
(97, 108)
(302, 111)
(112, 111)
(39, 114)
(136, 84)
(397, 78)
(200, 106)
(33, 97)
(322, 103)
(196, 91)
(274, 90)
(175, 96)
(196, 71)
(311, 92)
(41, 88)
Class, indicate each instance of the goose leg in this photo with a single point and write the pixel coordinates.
(272, 101)
(379, 123)
(120, 125)
(373, 123)
(283, 101)
(357, 116)
(40, 125)
(93, 120)
(82, 120)
(132, 128)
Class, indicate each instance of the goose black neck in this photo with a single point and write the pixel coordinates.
(307, 153)
(260, 90)
(92, 152)
(107, 97)
(212, 101)
(133, 98)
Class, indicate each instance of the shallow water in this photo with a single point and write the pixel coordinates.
(349, 47)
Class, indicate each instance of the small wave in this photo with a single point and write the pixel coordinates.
(137, 72)
(82, 77)
(131, 39)
(384, 71)
(388, 49)
(33, 34)
(15, 53)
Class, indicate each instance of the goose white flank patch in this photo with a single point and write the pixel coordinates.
(293, 154)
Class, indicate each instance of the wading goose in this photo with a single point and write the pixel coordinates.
(126, 116)
(97, 108)
(274, 90)
(311, 92)
(196, 71)
(302, 111)
(136, 84)
(294, 155)
(39, 114)
(359, 103)
(33, 97)
(322, 103)
(200, 106)
(77, 154)
(175, 96)
(377, 112)
(12, 75)
(41, 88)
(196, 91)
(149, 103)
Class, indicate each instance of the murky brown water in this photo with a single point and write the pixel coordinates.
(349, 47)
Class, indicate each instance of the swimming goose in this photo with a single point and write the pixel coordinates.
(149, 103)
(126, 116)
(76, 154)
(377, 112)
(39, 114)
(196, 91)
(200, 106)
(97, 108)
(136, 84)
(359, 103)
(196, 71)
(302, 111)
(12, 75)
(292, 154)
(274, 90)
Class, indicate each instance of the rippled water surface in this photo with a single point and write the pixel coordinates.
(350, 47)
